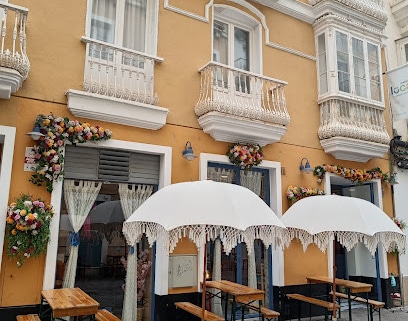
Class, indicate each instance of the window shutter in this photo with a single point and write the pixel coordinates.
(111, 165)
(80, 162)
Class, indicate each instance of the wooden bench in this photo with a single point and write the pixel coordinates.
(328, 306)
(105, 315)
(266, 313)
(374, 306)
(198, 311)
(28, 317)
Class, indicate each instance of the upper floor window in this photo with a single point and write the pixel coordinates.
(120, 22)
(402, 50)
(358, 67)
(231, 45)
(237, 46)
(355, 62)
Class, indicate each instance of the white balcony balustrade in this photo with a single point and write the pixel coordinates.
(118, 72)
(237, 105)
(352, 131)
(14, 63)
(118, 87)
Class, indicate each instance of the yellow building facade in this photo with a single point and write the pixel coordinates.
(303, 80)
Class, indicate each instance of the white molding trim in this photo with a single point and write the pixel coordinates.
(165, 154)
(291, 51)
(293, 8)
(7, 138)
(206, 18)
(275, 183)
(115, 110)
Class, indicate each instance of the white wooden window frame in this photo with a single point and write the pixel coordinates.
(402, 50)
(351, 67)
(152, 8)
(237, 18)
(7, 139)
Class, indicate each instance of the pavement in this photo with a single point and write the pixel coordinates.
(360, 314)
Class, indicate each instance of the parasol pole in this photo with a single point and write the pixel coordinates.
(204, 285)
(334, 280)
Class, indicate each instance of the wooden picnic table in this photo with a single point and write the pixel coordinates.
(351, 287)
(240, 293)
(69, 302)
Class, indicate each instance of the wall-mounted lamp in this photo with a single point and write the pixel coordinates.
(35, 133)
(188, 152)
(306, 167)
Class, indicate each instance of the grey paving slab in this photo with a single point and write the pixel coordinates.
(360, 314)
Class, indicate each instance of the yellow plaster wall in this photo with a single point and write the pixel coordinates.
(57, 61)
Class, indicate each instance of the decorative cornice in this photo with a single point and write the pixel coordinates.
(367, 7)
(228, 128)
(10, 81)
(353, 149)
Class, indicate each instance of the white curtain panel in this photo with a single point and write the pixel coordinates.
(131, 197)
(220, 174)
(79, 200)
(252, 282)
(216, 276)
(252, 180)
(134, 27)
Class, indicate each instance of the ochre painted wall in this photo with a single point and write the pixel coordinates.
(57, 57)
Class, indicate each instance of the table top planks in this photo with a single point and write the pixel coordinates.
(355, 287)
(241, 292)
(70, 302)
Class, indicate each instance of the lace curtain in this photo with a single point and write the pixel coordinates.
(79, 200)
(131, 197)
(216, 276)
(253, 181)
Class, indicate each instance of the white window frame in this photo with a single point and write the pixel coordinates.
(7, 139)
(275, 183)
(402, 50)
(152, 14)
(165, 154)
(242, 20)
(352, 93)
(326, 71)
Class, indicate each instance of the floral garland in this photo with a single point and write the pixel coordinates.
(28, 228)
(49, 159)
(355, 175)
(245, 155)
(143, 271)
(294, 193)
(402, 225)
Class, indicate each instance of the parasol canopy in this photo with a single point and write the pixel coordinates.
(318, 219)
(323, 219)
(204, 210)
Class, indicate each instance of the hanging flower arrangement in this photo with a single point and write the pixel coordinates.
(402, 225)
(245, 155)
(355, 175)
(294, 193)
(27, 228)
(49, 159)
